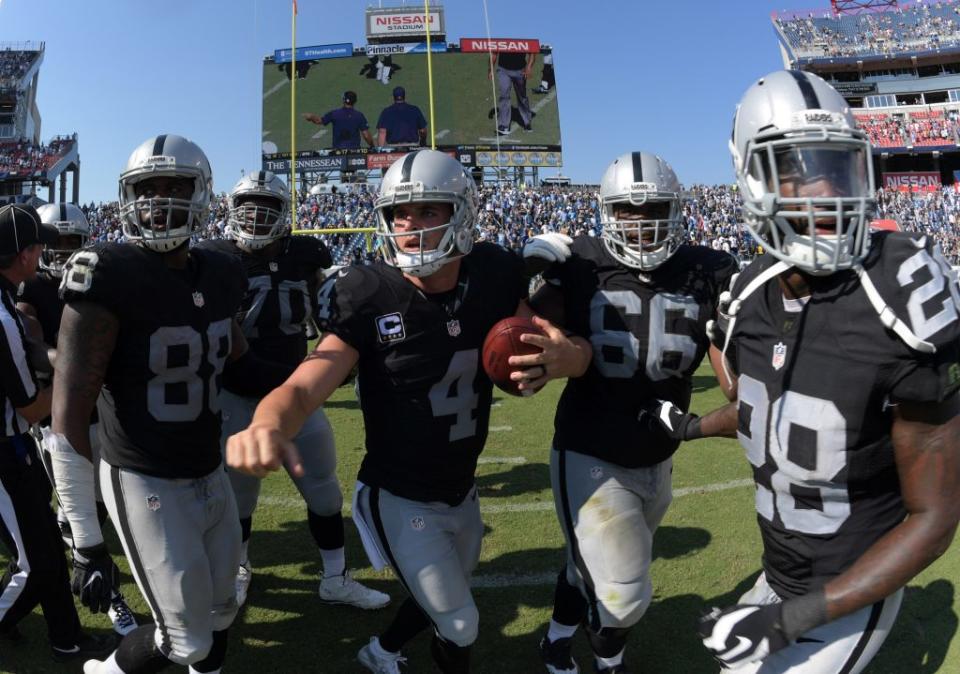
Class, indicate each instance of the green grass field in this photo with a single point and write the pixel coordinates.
(707, 552)
(463, 100)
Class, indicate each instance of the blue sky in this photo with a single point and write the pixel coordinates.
(662, 76)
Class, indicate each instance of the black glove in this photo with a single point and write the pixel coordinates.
(744, 633)
(95, 577)
(672, 420)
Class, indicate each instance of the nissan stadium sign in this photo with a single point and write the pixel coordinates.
(402, 22)
(913, 180)
(499, 44)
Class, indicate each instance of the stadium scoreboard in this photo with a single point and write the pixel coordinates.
(466, 98)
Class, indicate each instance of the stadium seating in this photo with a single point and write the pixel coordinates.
(23, 159)
(14, 64)
(917, 27)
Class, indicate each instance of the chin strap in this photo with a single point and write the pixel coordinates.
(889, 318)
(738, 301)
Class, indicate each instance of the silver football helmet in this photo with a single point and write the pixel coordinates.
(256, 225)
(161, 223)
(70, 221)
(804, 172)
(641, 179)
(427, 176)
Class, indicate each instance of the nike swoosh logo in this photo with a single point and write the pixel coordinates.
(808, 640)
(743, 645)
(67, 651)
(665, 417)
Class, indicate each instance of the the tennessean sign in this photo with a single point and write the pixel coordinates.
(498, 44)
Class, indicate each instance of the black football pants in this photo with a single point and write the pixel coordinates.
(37, 573)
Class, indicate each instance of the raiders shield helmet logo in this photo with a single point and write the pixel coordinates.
(453, 328)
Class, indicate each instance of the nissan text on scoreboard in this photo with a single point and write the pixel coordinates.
(465, 101)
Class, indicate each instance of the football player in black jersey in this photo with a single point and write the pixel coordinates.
(415, 326)
(846, 347)
(151, 323)
(38, 297)
(284, 273)
(644, 300)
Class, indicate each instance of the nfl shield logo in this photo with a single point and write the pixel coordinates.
(153, 503)
(453, 328)
(596, 472)
(417, 523)
(273, 266)
(198, 299)
(779, 355)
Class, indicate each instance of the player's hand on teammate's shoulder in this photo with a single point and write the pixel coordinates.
(560, 356)
(261, 449)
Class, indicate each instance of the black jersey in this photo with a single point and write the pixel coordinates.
(648, 338)
(423, 391)
(41, 293)
(279, 297)
(814, 392)
(160, 410)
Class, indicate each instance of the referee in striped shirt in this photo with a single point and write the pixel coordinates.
(37, 573)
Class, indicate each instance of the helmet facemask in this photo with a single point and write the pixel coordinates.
(644, 243)
(808, 196)
(423, 260)
(256, 224)
(71, 239)
(162, 223)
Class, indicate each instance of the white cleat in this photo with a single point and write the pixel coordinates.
(345, 590)
(242, 583)
(124, 622)
(92, 666)
(373, 657)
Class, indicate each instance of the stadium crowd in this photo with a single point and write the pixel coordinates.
(510, 215)
(915, 28)
(919, 128)
(13, 65)
(21, 159)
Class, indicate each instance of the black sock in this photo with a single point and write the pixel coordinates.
(246, 524)
(408, 623)
(608, 641)
(138, 652)
(450, 658)
(101, 513)
(217, 654)
(569, 606)
(327, 530)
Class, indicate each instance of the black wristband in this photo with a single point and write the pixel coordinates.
(801, 614)
(693, 431)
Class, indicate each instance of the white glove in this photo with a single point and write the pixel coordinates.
(552, 247)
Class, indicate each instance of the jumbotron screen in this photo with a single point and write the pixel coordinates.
(465, 104)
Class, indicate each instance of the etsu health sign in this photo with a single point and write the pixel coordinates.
(913, 181)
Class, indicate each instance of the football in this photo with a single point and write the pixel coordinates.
(503, 341)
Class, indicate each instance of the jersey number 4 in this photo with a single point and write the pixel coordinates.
(455, 395)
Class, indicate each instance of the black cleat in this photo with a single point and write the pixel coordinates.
(87, 646)
(556, 656)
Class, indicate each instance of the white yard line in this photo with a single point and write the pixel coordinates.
(528, 507)
(318, 134)
(274, 89)
(500, 429)
(441, 134)
(514, 460)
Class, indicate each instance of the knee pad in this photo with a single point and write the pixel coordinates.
(321, 494)
(190, 648)
(459, 627)
(318, 486)
(608, 641)
(224, 615)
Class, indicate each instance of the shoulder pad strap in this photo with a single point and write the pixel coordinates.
(889, 318)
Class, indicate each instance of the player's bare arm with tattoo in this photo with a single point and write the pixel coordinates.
(926, 441)
(88, 334)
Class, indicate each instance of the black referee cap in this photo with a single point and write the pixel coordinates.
(20, 227)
